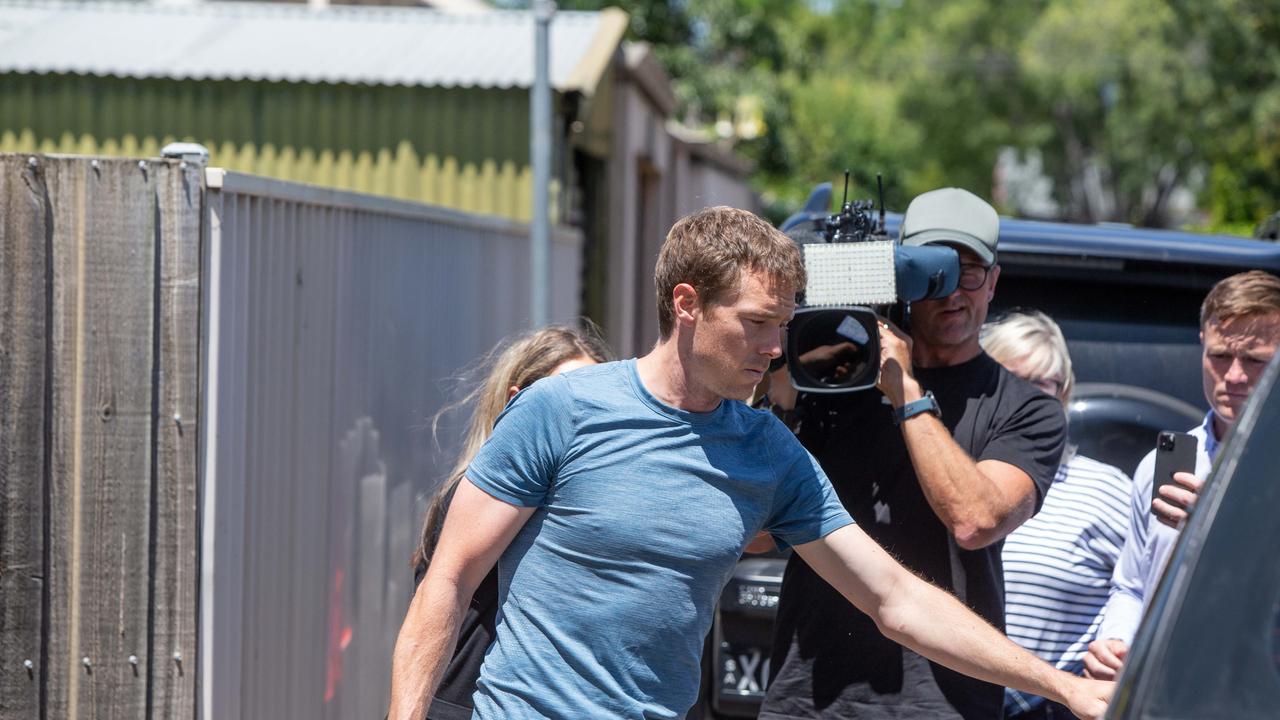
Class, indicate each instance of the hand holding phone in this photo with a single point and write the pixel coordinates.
(1175, 453)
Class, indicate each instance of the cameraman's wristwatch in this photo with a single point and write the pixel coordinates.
(909, 410)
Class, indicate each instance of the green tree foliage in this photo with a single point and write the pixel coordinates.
(1241, 45)
(1125, 101)
(1121, 87)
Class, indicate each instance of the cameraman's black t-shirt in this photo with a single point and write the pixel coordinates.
(829, 660)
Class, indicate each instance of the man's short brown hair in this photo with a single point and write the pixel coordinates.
(711, 248)
(1248, 293)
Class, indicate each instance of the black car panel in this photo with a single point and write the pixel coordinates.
(1117, 424)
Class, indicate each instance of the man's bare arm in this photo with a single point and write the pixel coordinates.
(979, 502)
(931, 622)
(477, 529)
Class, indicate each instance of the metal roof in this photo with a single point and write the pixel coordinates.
(298, 43)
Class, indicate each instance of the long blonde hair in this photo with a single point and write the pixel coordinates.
(523, 361)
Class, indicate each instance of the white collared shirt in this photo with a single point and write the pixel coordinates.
(1149, 543)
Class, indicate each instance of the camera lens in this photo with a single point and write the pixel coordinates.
(1166, 442)
(832, 348)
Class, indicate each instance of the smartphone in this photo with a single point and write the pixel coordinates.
(1175, 452)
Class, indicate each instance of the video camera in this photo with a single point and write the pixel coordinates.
(856, 271)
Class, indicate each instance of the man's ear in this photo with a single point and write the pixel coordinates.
(684, 298)
(994, 272)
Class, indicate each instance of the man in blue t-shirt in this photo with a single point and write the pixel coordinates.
(617, 499)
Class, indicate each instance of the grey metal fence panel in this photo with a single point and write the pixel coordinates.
(332, 319)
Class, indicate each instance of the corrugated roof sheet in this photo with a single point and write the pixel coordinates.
(296, 43)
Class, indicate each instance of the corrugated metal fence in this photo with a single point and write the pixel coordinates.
(332, 319)
(326, 324)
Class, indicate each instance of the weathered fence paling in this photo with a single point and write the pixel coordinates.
(93, 351)
(23, 387)
(174, 560)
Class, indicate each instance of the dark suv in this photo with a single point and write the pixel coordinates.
(1128, 302)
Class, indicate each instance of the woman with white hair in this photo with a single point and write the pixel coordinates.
(1057, 566)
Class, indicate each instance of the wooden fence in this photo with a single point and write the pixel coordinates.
(99, 334)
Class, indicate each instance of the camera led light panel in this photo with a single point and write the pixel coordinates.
(855, 273)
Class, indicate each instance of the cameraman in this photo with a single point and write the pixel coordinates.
(950, 456)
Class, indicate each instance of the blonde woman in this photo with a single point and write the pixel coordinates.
(1057, 565)
(505, 370)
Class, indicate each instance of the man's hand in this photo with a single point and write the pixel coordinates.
(1105, 658)
(1088, 698)
(824, 357)
(896, 380)
(1176, 499)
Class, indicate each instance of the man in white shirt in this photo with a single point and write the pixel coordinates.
(1239, 332)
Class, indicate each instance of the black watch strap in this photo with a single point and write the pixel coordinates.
(925, 404)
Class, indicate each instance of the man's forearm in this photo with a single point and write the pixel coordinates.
(424, 646)
(969, 503)
(936, 625)
(913, 613)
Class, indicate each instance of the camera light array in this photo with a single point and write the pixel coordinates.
(859, 273)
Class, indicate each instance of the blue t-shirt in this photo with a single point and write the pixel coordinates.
(642, 512)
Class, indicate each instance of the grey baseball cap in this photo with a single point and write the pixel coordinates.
(953, 216)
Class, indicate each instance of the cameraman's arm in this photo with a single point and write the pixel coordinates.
(979, 502)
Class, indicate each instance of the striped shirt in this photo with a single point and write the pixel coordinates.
(1058, 565)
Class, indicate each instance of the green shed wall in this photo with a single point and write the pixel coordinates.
(464, 148)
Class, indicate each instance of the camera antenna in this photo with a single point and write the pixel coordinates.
(845, 201)
(880, 185)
